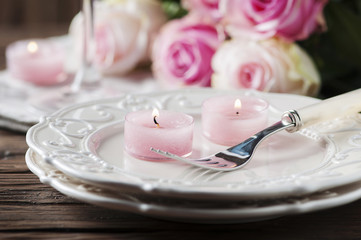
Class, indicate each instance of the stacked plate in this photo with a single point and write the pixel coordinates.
(79, 151)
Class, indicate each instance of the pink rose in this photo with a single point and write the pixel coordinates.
(258, 19)
(269, 65)
(183, 51)
(124, 31)
(208, 9)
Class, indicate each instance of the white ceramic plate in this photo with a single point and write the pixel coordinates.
(85, 141)
(188, 211)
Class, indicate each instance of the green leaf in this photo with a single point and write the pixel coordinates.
(344, 32)
(337, 52)
(173, 9)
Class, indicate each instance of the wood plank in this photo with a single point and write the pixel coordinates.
(13, 144)
(12, 152)
(81, 235)
(65, 216)
(27, 189)
(21, 179)
(4, 133)
(87, 219)
(13, 164)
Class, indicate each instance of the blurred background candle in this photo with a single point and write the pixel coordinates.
(228, 120)
(40, 62)
(166, 130)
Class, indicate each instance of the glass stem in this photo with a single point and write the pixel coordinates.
(87, 74)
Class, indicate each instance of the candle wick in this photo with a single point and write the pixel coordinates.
(155, 121)
(237, 113)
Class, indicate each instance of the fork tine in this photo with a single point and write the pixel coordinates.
(167, 154)
(176, 157)
(198, 162)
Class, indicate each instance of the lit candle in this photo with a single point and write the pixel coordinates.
(37, 61)
(166, 130)
(229, 120)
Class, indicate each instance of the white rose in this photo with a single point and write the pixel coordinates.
(124, 30)
(269, 65)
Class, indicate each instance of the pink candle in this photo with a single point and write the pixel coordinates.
(37, 61)
(229, 120)
(165, 130)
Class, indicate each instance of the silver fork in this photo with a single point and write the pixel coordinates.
(239, 155)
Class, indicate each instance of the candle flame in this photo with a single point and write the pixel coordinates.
(155, 114)
(237, 105)
(32, 47)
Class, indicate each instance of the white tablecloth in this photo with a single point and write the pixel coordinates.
(18, 110)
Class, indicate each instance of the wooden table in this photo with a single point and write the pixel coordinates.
(30, 209)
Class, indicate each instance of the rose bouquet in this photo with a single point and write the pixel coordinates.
(283, 45)
(260, 52)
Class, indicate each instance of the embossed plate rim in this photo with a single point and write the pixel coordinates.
(298, 187)
(239, 213)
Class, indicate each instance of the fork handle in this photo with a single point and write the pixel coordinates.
(338, 106)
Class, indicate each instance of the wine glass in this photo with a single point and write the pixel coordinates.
(87, 77)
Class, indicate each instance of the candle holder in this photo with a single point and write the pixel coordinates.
(170, 131)
(37, 61)
(229, 120)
